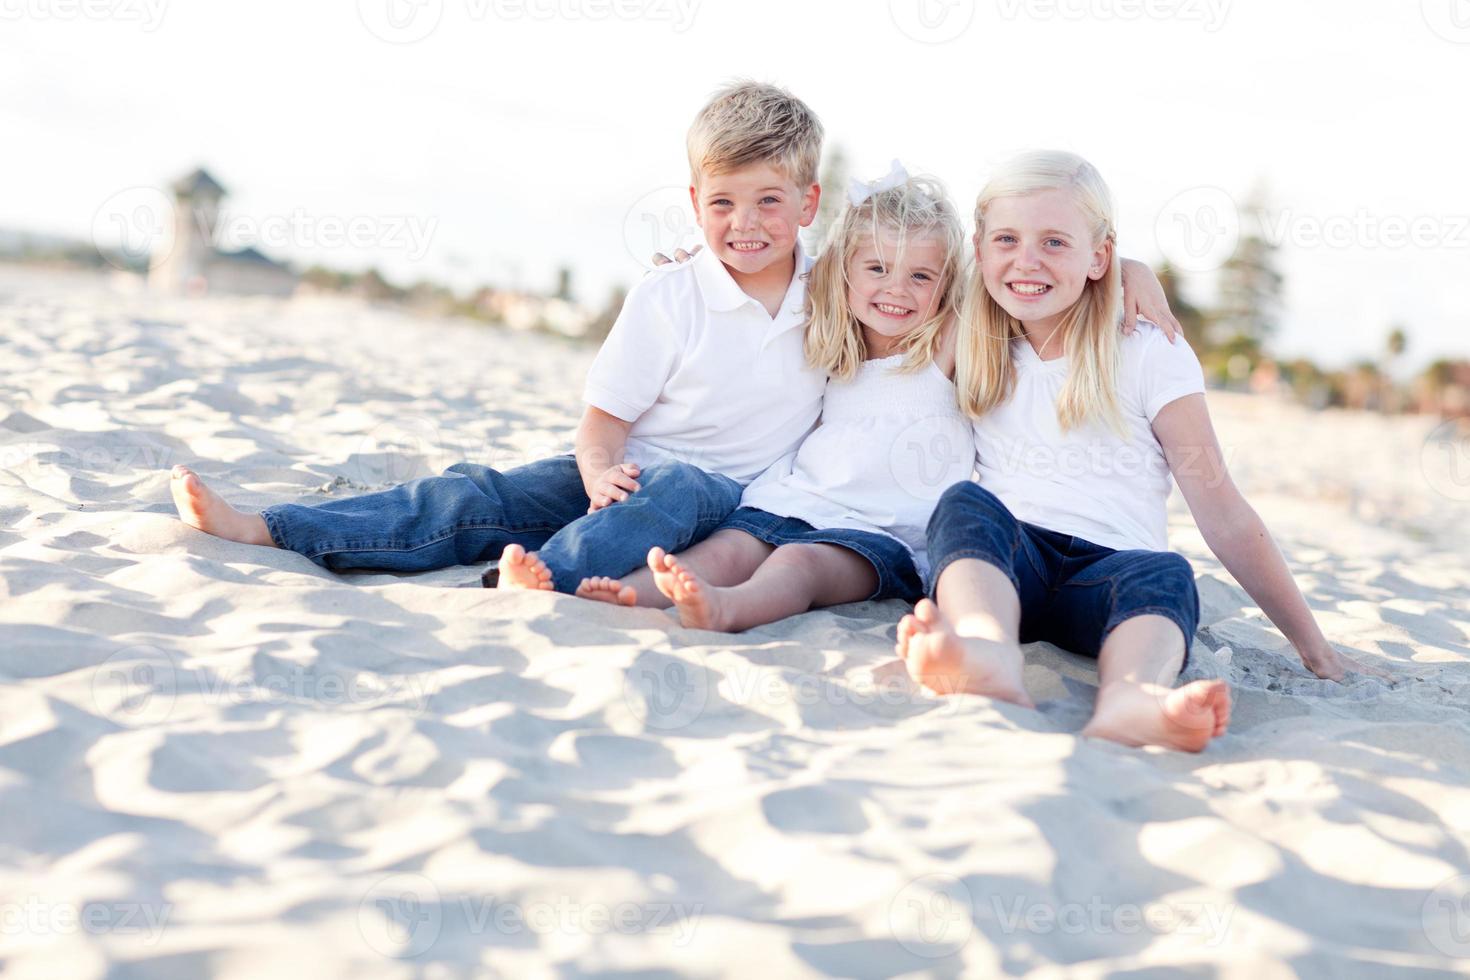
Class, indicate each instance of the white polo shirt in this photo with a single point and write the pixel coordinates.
(705, 374)
(1090, 482)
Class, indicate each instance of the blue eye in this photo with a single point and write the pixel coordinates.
(922, 275)
(722, 202)
(770, 200)
(1005, 239)
(1056, 242)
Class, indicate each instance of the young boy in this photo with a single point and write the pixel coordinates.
(700, 386)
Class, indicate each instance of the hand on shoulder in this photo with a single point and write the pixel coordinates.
(680, 256)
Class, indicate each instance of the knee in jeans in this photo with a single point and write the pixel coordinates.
(970, 499)
(686, 485)
(667, 474)
(1170, 573)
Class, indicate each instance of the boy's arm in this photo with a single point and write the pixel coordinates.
(1238, 537)
(601, 441)
(1143, 295)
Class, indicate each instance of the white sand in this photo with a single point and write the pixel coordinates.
(223, 760)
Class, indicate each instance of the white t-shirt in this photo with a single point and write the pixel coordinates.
(889, 445)
(1089, 482)
(705, 374)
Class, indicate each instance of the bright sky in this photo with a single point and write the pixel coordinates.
(515, 136)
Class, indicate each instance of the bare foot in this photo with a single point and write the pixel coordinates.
(607, 590)
(947, 663)
(520, 570)
(1184, 719)
(697, 602)
(202, 508)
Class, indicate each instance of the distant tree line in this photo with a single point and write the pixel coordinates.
(1232, 340)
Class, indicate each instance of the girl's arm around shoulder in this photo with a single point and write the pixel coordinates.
(1144, 296)
(1237, 535)
(948, 335)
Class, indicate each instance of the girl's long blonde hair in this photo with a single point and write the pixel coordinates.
(985, 371)
(916, 207)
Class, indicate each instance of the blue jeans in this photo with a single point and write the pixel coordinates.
(897, 576)
(1073, 592)
(472, 512)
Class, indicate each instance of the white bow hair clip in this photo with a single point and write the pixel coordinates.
(858, 191)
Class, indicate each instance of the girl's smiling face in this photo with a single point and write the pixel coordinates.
(891, 294)
(1036, 255)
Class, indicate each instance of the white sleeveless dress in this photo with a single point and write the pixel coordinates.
(887, 446)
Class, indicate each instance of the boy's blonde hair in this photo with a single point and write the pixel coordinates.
(916, 208)
(750, 122)
(985, 372)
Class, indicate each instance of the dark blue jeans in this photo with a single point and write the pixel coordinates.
(1073, 592)
(897, 576)
(472, 512)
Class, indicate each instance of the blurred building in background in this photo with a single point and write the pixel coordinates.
(193, 264)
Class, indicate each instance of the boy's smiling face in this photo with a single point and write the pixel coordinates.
(750, 216)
